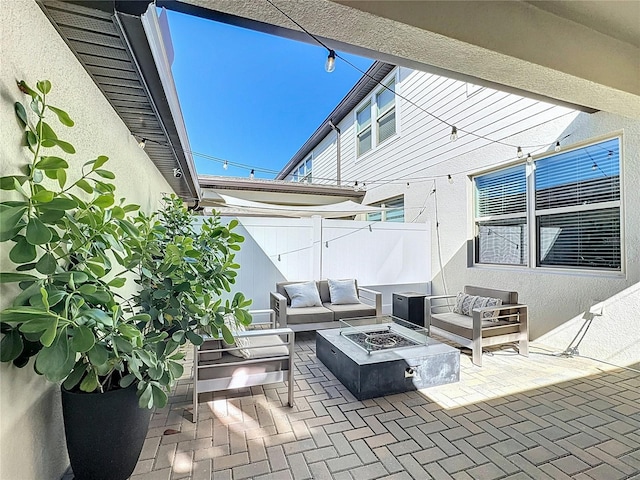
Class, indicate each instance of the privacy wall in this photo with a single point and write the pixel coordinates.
(32, 444)
(389, 256)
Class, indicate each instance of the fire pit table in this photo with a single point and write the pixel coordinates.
(376, 356)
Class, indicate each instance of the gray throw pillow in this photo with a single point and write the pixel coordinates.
(303, 294)
(343, 292)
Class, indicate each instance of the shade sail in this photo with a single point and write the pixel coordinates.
(231, 206)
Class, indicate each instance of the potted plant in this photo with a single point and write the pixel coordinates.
(67, 239)
(185, 267)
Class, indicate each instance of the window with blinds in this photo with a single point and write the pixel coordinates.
(500, 217)
(364, 128)
(574, 212)
(394, 212)
(577, 201)
(386, 106)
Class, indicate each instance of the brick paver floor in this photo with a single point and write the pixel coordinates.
(541, 417)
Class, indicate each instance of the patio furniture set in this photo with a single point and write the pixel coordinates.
(372, 354)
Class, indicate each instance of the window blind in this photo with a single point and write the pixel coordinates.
(502, 192)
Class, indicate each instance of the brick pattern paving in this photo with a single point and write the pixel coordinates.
(542, 417)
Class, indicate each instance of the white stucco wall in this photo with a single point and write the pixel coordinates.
(32, 444)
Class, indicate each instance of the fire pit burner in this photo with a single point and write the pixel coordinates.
(380, 340)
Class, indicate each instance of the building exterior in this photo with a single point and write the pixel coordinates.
(533, 195)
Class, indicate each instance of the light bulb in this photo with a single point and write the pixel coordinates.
(225, 165)
(450, 178)
(142, 143)
(330, 64)
(519, 153)
(454, 134)
(356, 187)
(252, 174)
(557, 147)
(279, 257)
(529, 158)
(408, 185)
(594, 166)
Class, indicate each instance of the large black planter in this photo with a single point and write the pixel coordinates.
(105, 433)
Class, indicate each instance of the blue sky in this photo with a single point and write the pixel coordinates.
(252, 98)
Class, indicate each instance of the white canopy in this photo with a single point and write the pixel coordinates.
(237, 207)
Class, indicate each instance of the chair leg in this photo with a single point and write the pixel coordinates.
(476, 355)
(523, 348)
(195, 404)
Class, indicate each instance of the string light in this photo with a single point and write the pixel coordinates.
(252, 174)
(225, 165)
(594, 166)
(370, 229)
(356, 187)
(142, 143)
(557, 147)
(520, 154)
(450, 179)
(326, 244)
(408, 185)
(278, 257)
(454, 134)
(330, 64)
(529, 158)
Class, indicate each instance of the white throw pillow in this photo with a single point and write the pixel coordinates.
(466, 303)
(236, 327)
(343, 292)
(303, 294)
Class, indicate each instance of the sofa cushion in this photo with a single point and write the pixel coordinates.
(465, 304)
(265, 346)
(308, 315)
(323, 288)
(462, 325)
(343, 292)
(351, 311)
(303, 294)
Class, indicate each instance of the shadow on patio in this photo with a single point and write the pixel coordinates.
(542, 417)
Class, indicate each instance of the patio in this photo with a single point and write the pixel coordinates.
(542, 417)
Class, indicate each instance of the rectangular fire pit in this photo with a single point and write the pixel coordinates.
(376, 356)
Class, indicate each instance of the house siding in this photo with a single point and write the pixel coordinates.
(422, 156)
(32, 443)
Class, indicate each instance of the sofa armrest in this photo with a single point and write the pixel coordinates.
(272, 323)
(517, 313)
(371, 296)
(433, 302)
(278, 304)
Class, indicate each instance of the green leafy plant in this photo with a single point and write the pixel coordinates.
(184, 270)
(67, 237)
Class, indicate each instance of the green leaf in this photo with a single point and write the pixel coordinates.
(90, 382)
(32, 139)
(105, 174)
(63, 116)
(61, 203)
(24, 88)
(84, 185)
(22, 251)
(155, 372)
(97, 269)
(227, 335)
(38, 233)
(44, 86)
(117, 282)
(47, 264)
(65, 146)
(9, 182)
(83, 339)
(61, 175)
(11, 346)
(49, 334)
(37, 324)
(146, 400)
(51, 163)
(104, 201)
(127, 380)
(78, 371)
(15, 277)
(10, 216)
(21, 113)
(56, 362)
(43, 196)
(123, 345)
(159, 397)
(98, 355)
(176, 369)
(47, 131)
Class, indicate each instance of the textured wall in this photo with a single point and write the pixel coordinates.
(32, 442)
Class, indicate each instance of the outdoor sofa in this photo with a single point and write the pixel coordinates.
(478, 318)
(326, 313)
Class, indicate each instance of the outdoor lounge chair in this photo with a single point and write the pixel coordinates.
(485, 326)
(267, 358)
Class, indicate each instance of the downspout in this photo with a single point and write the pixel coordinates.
(338, 166)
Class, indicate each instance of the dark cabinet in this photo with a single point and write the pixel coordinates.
(409, 306)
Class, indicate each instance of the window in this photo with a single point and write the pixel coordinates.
(303, 172)
(364, 129)
(376, 119)
(573, 217)
(386, 119)
(395, 212)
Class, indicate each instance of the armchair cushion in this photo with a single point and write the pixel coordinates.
(465, 304)
(266, 346)
(343, 292)
(303, 295)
